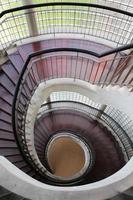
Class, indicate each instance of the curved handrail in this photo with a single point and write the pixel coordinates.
(26, 7)
(92, 53)
(65, 4)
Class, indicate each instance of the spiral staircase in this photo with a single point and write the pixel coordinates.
(66, 82)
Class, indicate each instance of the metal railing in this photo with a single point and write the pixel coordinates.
(90, 21)
(111, 117)
(108, 117)
(67, 63)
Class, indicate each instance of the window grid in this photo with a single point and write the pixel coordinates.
(115, 27)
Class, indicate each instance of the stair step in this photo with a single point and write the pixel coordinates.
(15, 197)
(11, 72)
(32, 173)
(129, 192)
(5, 196)
(126, 197)
(21, 164)
(5, 116)
(26, 169)
(15, 158)
(118, 197)
(5, 126)
(5, 107)
(5, 95)
(7, 84)
(6, 136)
(25, 50)
(17, 61)
(3, 192)
(9, 151)
(6, 132)
(7, 144)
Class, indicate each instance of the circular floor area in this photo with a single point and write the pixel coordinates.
(67, 156)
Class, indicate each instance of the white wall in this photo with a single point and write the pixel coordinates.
(18, 182)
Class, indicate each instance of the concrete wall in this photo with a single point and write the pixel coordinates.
(18, 182)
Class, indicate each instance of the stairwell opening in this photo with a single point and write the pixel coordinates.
(68, 157)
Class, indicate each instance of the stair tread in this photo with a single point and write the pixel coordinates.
(15, 197)
(6, 117)
(9, 151)
(15, 158)
(6, 136)
(5, 126)
(7, 144)
(11, 72)
(5, 95)
(7, 84)
(6, 109)
(17, 61)
(3, 192)
(21, 164)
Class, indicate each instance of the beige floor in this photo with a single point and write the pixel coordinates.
(66, 157)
